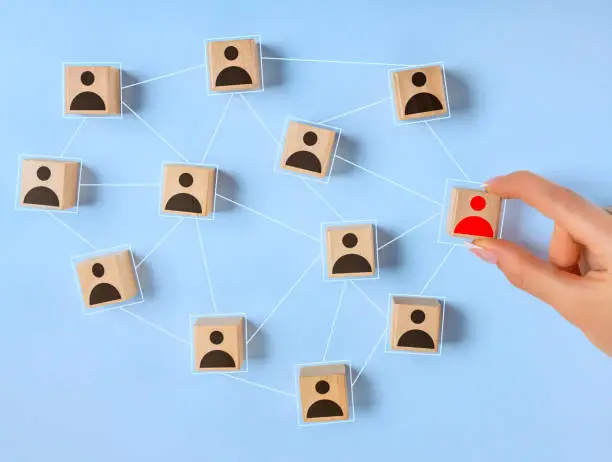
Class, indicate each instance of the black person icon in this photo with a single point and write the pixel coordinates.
(218, 343)
(351, 251)
(188, 189)
(419, 93)
(217, 358)
(323, 393)
(234, 65)
(308, 149)
(87, 100)
(323, 407)
(107, 279)
(41, 195)
(92, 90)
(232, 75)
(416, 324)
(49, 183)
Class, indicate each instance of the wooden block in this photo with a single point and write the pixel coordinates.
(324, 393)
(92, 90)
(234, 65)
(419, 93)
(219, 343)
(416, 324)
(351, 251)
(308, 149)
(47, 183)
(188, 190)
(473, 213)
(107, 279)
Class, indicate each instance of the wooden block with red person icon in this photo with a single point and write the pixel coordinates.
(474, 213)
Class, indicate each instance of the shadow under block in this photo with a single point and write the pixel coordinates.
(218, 343)
(419, 93)
(92, 90)
(308, 149)
(473, 214)
(351, 251)
(234, 65)
(107, 279)
(51, 184)
(416, 323)
(324, 393)
(188, 190)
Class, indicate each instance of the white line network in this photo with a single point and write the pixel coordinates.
(278, 222)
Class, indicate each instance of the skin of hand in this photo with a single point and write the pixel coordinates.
(582, 230)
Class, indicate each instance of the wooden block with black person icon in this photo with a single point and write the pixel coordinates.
(49, 183)
(107, 279)
(308, 149)
(474, 213)
(419, 93)
(416, 324)
(92, 90)
(188, 190)
(324, 393)
(351, 251)
(218, 343)
(234, 65)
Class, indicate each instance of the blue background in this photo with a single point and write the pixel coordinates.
(529, 86)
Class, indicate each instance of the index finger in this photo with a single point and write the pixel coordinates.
(587, 222)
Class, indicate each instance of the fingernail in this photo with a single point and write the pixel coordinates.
(484, 255)
(487, 183)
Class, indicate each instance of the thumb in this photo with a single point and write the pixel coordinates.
(527, 272)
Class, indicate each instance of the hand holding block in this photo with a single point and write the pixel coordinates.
(474, 213)
(416, 324)
(419, 93)
(188, 190)
(308, 149)
(107, 279)
(351, 251)
(324, 393)
(218, 343)
(92, 90)
(47, 183)
(234, 65)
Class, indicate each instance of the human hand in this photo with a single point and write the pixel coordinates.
(582, 229)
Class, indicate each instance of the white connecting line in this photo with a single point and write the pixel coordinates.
(365, 364)
(364, 295)
(156, 133)
(216, 130)
(437, 270)
(265, 127)
(72, 138)
(273, 220)
(160, 242)
(259, 385)
(72, 230)
(353, 111)
(263, 124)
(206, 270)
(394, 183)
(333, 326)
(322, 199)
(284, 297)
(448, 153)
(185, 342)
(155, 326)
(120, 185)
(164, 76)
(414, 228)
(363, 63)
